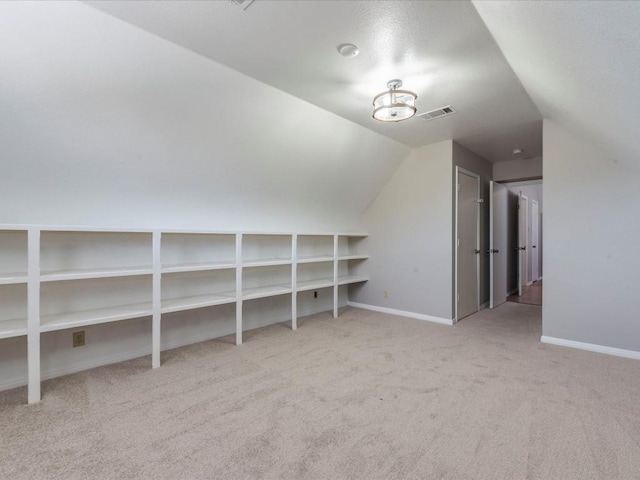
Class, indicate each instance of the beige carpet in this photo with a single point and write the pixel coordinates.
(365, 396)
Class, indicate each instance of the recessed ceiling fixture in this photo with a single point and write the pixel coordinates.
(517, 151)
(348, 49)
(394, 105)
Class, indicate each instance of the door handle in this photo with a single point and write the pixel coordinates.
(533, 246)
(495, 250)
(477, 251)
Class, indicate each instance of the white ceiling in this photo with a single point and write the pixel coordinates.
(441, 50)
(580, 62)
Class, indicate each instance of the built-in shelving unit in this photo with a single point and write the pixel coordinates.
(57, 278)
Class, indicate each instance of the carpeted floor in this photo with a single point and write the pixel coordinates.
(364, 396)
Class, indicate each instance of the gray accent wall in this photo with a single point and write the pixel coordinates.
(591, 237)
(409, 244)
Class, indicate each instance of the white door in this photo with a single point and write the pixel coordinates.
(522, 241)
(468, 247)
(498, 238)
(534, 241)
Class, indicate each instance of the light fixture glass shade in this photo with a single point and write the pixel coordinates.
(394, 105)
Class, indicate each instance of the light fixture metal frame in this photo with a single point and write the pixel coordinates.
(394, 85)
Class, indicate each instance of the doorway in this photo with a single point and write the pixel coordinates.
(467, 251)
(526, 280)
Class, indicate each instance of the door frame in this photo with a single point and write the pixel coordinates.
(535, 219)
(469, 173)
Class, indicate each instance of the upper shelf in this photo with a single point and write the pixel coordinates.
(347, 279)
(79, 274)
(266, 262)
(198, 266)
(353, 257)
(265, 291)
(315, 259)
(198, 301)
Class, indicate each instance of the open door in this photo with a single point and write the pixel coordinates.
(535, 274)
(522, 244)
(498, 238)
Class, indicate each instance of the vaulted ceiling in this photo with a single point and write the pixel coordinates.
(441, 50)
(501, 65)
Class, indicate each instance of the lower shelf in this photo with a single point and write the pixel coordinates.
(13, 328)
(61, 321)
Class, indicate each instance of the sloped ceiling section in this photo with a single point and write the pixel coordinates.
(441, 50)
(580, 63)
(103, 123)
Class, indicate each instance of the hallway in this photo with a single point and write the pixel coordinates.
(531, 295)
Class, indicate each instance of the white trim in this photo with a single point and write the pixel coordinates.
(591, 347)
(402, 313)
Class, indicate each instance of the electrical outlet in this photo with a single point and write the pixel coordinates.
(385, 294)
(78, 338)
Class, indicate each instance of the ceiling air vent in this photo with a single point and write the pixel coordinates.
(244, 4)
(438, 112)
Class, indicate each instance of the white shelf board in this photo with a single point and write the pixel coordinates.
(199, 301)
(266, 262)
(345, 280)
(198, 267)
(12, 278)
(60, 321)
(79, 274)
(266, 291)
(315, 259)
(353, 257)
(314, 284)
(13, 328)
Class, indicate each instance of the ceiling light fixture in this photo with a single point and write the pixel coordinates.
(348, 49)
(394, 105)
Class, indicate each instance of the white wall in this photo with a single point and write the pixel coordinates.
(517, 169)
(591, 236)
(104, 124)
(410, 237)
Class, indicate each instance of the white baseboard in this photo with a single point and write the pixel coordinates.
(402, 313)
(591, 347)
